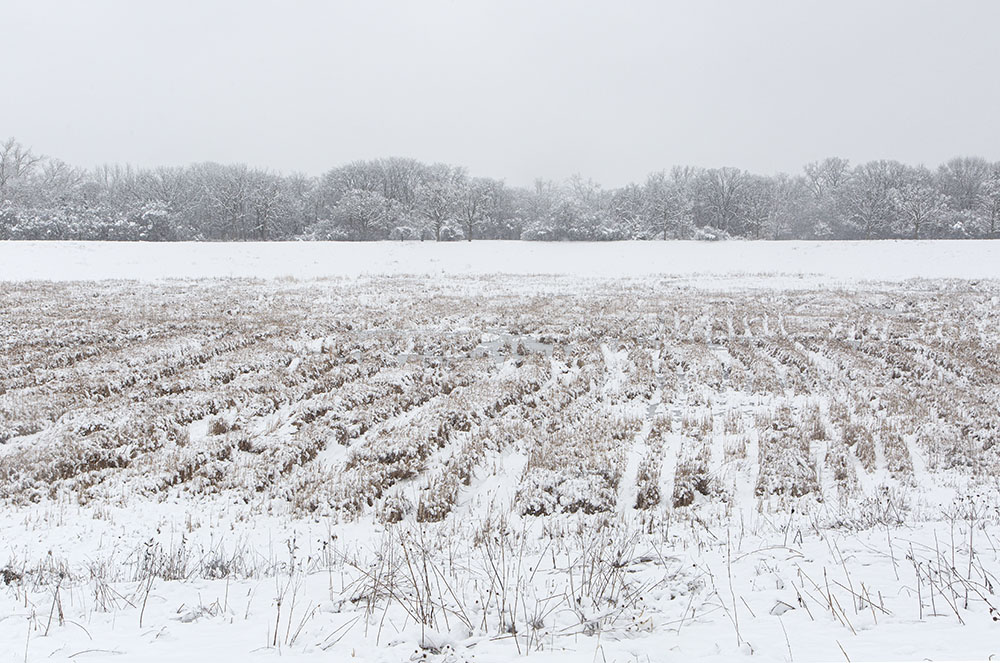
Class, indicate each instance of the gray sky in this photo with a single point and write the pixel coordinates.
(513, 89)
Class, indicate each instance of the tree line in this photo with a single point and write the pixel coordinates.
(397, 198)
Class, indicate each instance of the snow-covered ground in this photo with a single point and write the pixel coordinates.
(473, 463)
(834, 261)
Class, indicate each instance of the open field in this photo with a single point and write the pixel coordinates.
(474, 467)
(822, 262)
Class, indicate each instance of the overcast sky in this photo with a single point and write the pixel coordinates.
(511, 89)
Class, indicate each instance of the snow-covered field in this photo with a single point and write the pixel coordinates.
(832, 261)
(440, 455)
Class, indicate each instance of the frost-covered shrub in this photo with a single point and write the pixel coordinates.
(710, 234)
(452, 234)
(328, 230)
(401, 233)
(8, 219)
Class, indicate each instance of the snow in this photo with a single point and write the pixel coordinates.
(735, 574)
(835, 261)
(228, 620)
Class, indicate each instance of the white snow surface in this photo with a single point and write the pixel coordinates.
(830, 261)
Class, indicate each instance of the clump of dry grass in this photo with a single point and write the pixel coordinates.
(648, 479)
(691, 478)
(218, 426)
(860, 439)
(787, 466)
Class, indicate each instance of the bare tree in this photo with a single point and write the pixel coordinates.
(670, 203)
(825, 177)
(919, 204)
(759, 205)
(961, 180)
(476, 200)
(723, 189)
(869, 199)
(16, 162)
(267, 204)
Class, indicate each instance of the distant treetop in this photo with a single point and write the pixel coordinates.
(400, 199)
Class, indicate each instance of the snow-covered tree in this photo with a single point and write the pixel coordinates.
(630, 213)
(961, 180)
(920, 206)
(404, 198)
(670, 200)
(16, 162)
(989, 202)
(722, 191)
(869, 201)
(360, 215)
(437, 201)
(477, 202)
